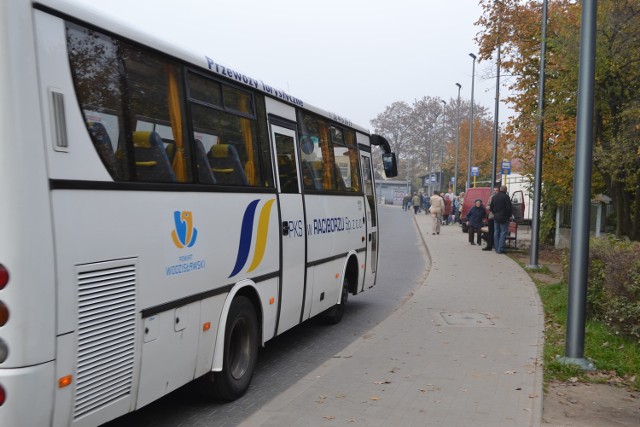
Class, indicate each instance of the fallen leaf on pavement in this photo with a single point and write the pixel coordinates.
(374, 398)
(509, 372)
(329, 417)
(382, 382)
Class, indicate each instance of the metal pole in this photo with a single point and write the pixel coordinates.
(455, 173)
(578, 264)
(537, 176)
(494, 162)
(473, 75)
(429, 186)
(444, 105)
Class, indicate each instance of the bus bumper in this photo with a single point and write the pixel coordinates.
(29, 395)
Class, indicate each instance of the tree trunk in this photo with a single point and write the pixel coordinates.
(618, 199)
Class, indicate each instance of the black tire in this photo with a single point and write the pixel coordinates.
(334, 314)
(240, 354)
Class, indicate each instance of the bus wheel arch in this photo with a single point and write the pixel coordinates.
(349, 286)
(351, 274)
(237, 346)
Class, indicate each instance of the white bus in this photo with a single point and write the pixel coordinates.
(162, 216)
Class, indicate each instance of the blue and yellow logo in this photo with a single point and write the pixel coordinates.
(184, 234)
(246, 236)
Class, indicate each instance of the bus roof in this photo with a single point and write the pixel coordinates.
(88, 13)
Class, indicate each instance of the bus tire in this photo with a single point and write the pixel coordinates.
(240, 354)
(334, 314)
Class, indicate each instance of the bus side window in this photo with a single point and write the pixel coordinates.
(231, 130)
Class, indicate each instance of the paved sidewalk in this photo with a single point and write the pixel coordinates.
(462, 351)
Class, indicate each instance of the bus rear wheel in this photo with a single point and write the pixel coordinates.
(335, 313)
(240, 354)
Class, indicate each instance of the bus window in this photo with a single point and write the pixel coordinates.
(224, 120)
(318, 165)
(142, 90)
(287, 171)
(97, 85)
(345, 154)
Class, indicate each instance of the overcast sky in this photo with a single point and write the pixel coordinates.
(351, 57)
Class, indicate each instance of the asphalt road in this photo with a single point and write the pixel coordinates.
(289, 357)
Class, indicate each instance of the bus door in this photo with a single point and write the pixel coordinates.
(371, 221)
(292, 228)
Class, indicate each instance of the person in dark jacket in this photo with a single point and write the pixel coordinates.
(500, 206)
(490, 224)
(475, 218)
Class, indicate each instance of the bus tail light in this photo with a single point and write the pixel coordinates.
(4, 276)
(4, 351)
(3, 395)
(4, 313)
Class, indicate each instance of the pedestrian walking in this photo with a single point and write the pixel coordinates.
(406, 202)
(456, 208)
(416, 203)
(461, 204)
(436, 208)
(447, 209)
(500, 206)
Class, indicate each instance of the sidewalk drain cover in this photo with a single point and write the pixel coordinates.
(467, 319)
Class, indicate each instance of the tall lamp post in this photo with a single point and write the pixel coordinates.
(473, 75)
(444, 106)
(580, 217)
(494, 161)
(537, 176)
(430, 153)
(455, 173)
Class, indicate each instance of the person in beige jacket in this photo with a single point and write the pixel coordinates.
(436, 209)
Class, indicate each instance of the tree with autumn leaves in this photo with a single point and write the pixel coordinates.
(425, 132)
(515, 26)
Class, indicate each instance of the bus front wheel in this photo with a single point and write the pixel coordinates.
(240, 353)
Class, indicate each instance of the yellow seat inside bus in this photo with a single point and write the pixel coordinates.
(225, 165)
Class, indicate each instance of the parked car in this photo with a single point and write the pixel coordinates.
(484, 193)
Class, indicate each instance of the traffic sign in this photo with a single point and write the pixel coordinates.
(506, 168)
(475, 171)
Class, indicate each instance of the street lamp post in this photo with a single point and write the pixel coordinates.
(444, 106)
(430, 153)
(473, 75)
(494, 160)
(537, 176)
(455, 173)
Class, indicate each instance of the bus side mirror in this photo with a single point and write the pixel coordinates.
(390, 165)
